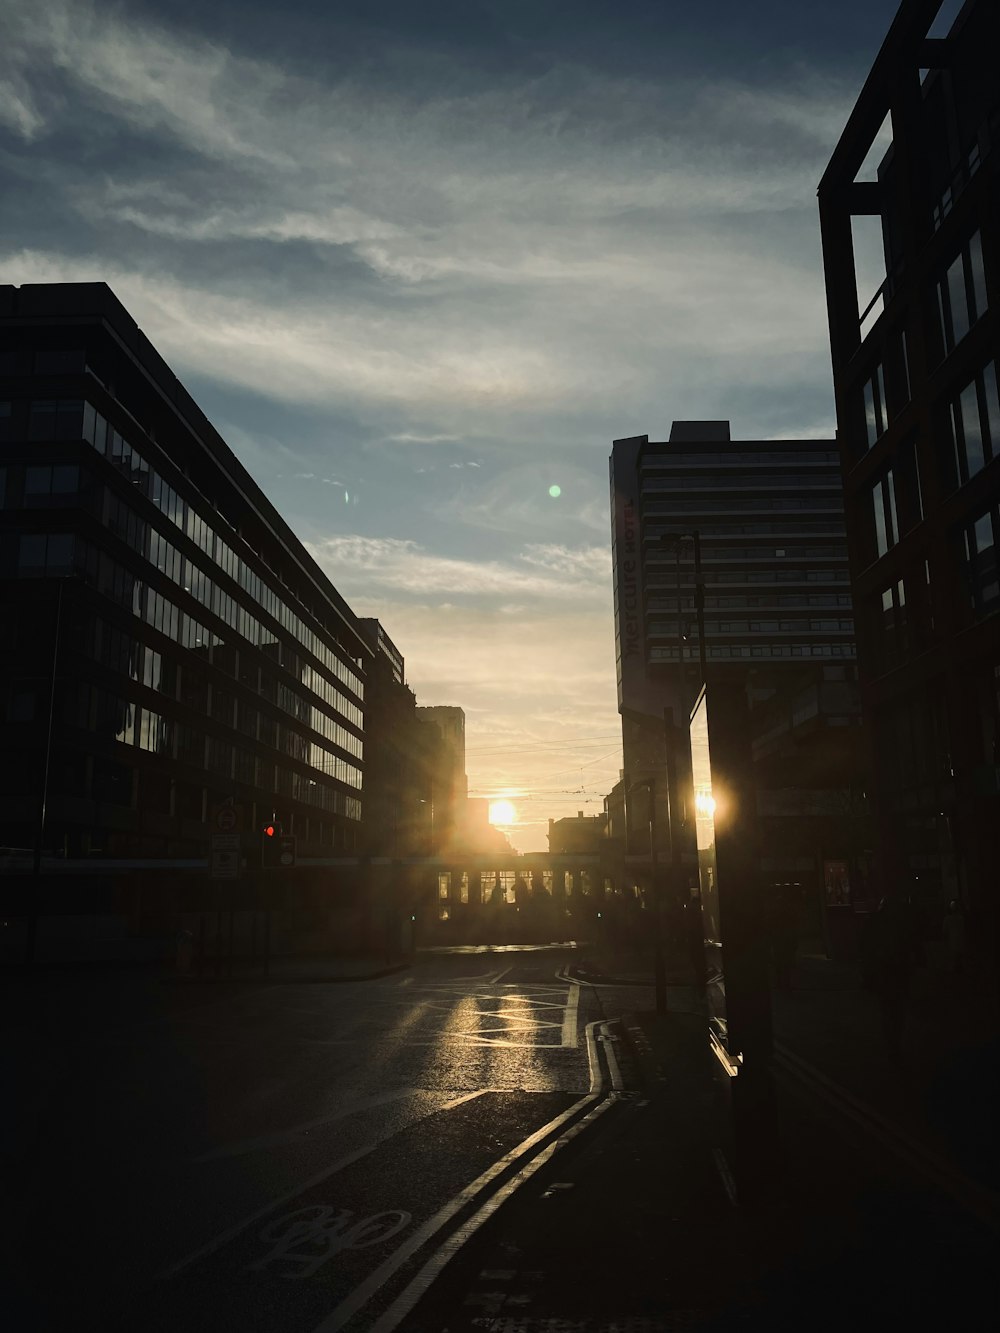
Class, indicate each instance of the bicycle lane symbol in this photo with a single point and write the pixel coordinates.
(306, 1239)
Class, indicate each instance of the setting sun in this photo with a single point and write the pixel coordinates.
(502, 812)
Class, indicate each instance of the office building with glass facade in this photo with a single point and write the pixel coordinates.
(170, 648)
(766, 518)
(910, 222)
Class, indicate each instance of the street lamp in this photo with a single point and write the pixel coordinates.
(659, 967)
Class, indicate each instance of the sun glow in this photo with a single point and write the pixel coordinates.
(502, 812)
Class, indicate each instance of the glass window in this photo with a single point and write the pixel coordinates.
(977, 277)
(957, 301)
(983, 533)
(981, 557)
(884, 506)
(125, 730)
(56, 419)
(876, 407)
(962, 293)
(974, 418)
(991, 409)
(972, 434)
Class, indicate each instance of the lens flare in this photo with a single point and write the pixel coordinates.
(555, 492)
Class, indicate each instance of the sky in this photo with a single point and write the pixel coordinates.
(421, 262)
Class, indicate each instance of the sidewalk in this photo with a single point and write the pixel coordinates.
(943, 1090)
(634, 1229)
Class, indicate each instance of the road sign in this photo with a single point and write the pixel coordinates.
(225, 842)
(228, 818)
(224, 864)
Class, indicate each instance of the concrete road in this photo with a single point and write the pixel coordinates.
(282, 1157)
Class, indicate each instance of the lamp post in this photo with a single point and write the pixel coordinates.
(659, 967)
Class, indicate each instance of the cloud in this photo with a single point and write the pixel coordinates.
(363, 566)
(565, 236)
(530, 689)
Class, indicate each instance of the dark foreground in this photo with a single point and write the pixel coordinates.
(500, 1142)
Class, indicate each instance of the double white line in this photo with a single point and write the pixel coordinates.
(538, 1148)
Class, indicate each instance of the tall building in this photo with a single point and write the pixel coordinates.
(915, 368)
(404, 759)
(764, 520)
(452, 786)
(169, 648)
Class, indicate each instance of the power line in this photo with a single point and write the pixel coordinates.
(581, 741)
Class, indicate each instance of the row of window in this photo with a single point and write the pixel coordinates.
(894, 632)
(121, 519)
(57, 553)
(73, 419)
(779, 626)
(961, 302)
(98, 710)
(961, 293)
(727, 554)
(781, 576)
(767, 651)
(729, 504)
(777, 600)
(974, 423)
(980, 540)
(773, 483)
(739, 458)
(974, 419)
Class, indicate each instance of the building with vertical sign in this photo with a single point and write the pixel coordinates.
(913, 188)
(767, 519)
(170, 649)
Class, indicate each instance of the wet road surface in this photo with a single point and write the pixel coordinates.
(271, 1157)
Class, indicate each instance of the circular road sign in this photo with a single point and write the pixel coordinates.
(227, 819)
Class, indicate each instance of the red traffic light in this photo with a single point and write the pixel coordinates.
(269, 831)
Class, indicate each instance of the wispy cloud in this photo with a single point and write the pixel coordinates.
(572, 205)
(439, 295)
(365, 566)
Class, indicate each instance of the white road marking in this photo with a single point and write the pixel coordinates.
(407, 1299)
(231, 1232)
(238, 1148)
(465, 1097)
(363, 1293)
(409, 1296)
(569, 1024)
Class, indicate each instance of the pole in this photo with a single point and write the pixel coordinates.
(659, 968)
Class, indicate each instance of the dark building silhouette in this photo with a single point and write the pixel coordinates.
(767, 520)
(585, 834)
(451, 784)
(168, 645)
(405, 760)
(915, 367)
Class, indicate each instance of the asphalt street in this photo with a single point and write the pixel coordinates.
(278, 1157)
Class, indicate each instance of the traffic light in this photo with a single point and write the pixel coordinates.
(270, 843)
(277, 849)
